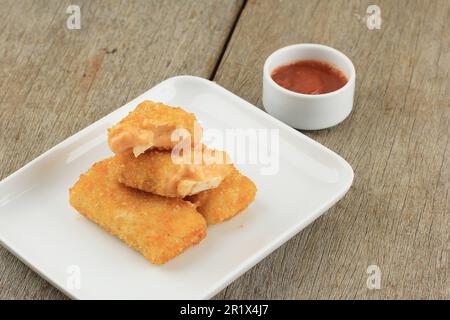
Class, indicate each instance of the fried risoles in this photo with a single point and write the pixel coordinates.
(159, 228)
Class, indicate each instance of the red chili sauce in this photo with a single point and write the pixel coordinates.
(309, 77)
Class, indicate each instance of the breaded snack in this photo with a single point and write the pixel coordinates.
(151, 125)
(159, 228)
(160, 172)
(232, 196)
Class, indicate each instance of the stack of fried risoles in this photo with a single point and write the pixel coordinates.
(158, 193)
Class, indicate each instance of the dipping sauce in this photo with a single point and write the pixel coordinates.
(309, 77)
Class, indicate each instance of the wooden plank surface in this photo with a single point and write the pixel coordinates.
(55, 81)
(396, 215)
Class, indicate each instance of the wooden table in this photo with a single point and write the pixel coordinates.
(56, 81)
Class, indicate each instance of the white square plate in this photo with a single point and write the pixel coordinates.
(38, 225)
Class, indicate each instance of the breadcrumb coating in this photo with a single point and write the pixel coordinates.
(231, 197)
(151, 125)
(157, 172)
(159, 228)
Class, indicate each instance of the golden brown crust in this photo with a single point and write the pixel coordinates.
(155, 172)
(232, 196)
(150, 125)
(159, 228)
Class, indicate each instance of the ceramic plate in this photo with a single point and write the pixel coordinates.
(297, 183)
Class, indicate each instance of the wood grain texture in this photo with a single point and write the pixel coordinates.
(396, 214)
(55, 81)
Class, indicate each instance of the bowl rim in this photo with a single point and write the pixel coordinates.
(267, 75)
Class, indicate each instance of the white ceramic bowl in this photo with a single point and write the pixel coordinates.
(307, 111)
